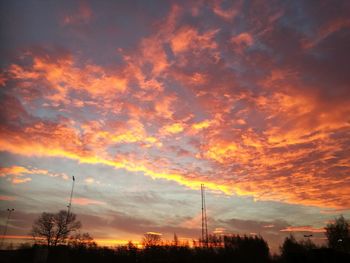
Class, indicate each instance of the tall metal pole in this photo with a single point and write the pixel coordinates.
(70, 200)
(7, 222)
(205, 218)
(202, 213)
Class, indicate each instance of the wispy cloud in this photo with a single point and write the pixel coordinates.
(20, 174)
(7, 198)
(244, 109)
(303, 229)
(86, 201)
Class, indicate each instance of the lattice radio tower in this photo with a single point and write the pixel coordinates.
(204, 218)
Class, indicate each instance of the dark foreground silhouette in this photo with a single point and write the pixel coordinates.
(59, 241)
(246, 249)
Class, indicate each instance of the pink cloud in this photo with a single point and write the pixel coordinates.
(303, 229)
(271, 114)
(227, 13)
(242, 41)
(87, 201)
(7, 198)
(19, 174)
(187, 38)
(324, 31)
(83, 15)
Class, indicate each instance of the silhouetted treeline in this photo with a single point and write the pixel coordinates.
(58, 240)
(235, 249)
(293, 251)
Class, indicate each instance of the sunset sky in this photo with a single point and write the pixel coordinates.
(142, 101)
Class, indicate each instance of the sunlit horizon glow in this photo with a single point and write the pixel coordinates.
(143, 103)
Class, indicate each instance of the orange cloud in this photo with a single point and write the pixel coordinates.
(86, 201)
(272, 128)
(53, 146)
(242, 41)
(18, 174)
(18, 180)
(187, 38)
(250, 152)
(131, 131)
(164, 107)
(326, 30)
(14, 170)
(7, 198)
(63, 76)
(219, 151)
(227, 13)
(303, 229)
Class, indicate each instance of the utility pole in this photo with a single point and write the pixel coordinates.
(204, 218)
(70, 200)
(7, 222)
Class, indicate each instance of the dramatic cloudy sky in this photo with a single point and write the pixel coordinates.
(142, 101)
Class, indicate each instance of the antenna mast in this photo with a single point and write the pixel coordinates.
(70, 200)
(204, 218)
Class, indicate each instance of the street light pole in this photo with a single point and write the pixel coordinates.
(7, 222)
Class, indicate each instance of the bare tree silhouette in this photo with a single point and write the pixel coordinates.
(338, 234)
(54, 228)
(151, 240)
(81, 241)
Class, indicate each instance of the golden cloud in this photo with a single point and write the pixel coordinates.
(19, 174)
(268, 130)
